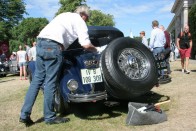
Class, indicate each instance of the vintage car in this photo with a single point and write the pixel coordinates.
(14, 67)
(4, 67)
(9, 67)
(124, 70)
(2, 70)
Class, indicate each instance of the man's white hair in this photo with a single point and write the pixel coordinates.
(83, 9)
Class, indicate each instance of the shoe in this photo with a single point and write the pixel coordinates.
(187, 71)
(58, 120)
(27, 121)
(182, 70)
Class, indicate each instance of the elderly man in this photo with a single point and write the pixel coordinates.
(58, 35)
(157, 41)
(184, 45)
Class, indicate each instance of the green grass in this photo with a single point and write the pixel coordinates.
(86, 116)
(83, 116)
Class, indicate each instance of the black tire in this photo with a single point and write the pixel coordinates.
(120, 85)
(60, 105)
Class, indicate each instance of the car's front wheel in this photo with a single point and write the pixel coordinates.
(60, 105)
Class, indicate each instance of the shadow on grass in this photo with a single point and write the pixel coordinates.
(40, 120)
(6, 80)
(99, 111)
(193, 70)
(180, 70)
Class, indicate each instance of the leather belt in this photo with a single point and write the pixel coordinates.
(49, 40)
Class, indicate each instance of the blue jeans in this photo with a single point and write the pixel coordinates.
(48, 62)
(157, 51)
(31, 66)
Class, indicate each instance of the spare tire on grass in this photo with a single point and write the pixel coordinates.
(129, 68)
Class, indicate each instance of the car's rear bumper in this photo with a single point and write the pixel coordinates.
(90, 97)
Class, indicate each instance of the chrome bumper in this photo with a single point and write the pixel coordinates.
(90, 97)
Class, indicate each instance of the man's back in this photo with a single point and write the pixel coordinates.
(65, 29)
(157, 38)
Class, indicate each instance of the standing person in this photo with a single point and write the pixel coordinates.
(22, 61)
(184, 45)
(3, 57)
(157, 41)
(13, 56)
(58, 35)
(32, 58)
(167, 47)
(27, 48)
(144, 40)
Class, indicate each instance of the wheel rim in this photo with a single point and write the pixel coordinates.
(133, 63)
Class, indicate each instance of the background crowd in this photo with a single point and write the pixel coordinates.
(160, 43)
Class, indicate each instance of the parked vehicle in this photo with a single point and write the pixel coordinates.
(4, 67)
(124, 70)
(13, 67)
(9, 67)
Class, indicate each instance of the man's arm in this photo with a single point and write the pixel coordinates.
(191, 44)
(89, 47)
(177, 43)
(152, 38)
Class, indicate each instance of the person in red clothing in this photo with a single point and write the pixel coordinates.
(167, 47)
(184, 45)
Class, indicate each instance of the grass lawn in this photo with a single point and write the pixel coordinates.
(90, 116)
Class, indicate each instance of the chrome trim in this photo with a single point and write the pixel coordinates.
(90, 97)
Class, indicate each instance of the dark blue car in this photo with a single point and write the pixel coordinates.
(124, 70)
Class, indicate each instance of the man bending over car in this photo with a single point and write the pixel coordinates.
(58, 35)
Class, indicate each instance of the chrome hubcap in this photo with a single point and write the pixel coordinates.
(133, 63)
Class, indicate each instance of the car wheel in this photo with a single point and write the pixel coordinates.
(129, 68)
(60, 105)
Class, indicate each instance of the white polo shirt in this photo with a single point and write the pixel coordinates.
(32, 53)
(157, 38)
(65, 29)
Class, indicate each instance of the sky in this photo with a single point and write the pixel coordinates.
(129, 15)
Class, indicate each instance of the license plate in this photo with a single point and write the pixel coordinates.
(91, 76)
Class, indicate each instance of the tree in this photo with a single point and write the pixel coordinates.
(100, 19)
(11, 12)
(97, 17)
(192, 24)
(138, 38)
(69, 5)
(27, 31)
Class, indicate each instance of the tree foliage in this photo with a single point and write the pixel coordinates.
(27, 31)
(100, 19)
(11, 12)
(97, 17)
(192, 24)
(138, 38)
(69, 5)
